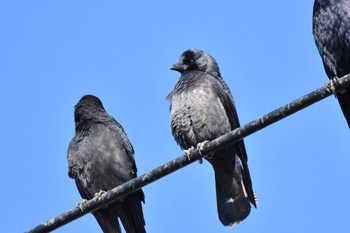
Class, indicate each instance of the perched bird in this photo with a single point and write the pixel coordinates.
(202, 108)
(331, 30)
(100, 157)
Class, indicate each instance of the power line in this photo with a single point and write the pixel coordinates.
(331, 87)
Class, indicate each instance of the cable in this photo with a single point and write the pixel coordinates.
(331, 87)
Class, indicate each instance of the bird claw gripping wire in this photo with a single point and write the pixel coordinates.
(81, 205)
(188, 152)
(99, 194)
(200, 147)
(332, 85)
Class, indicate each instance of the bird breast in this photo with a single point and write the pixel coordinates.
(198, 115)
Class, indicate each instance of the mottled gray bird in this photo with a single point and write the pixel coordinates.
(202, 108)
(331, 30)
(100, 157)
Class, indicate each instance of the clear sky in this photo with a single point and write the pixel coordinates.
(54, 52)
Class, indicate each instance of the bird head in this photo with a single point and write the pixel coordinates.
(87, 108)
(195, 59)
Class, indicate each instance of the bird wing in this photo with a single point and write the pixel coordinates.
(76, 164)
(229, 105)
(104, 156)
(124, 143)
(331, 30)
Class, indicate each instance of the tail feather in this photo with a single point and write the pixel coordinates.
(233, 201)
(232, 207)
(247, 181)
(107, 220)
(129, 211)
(131, 214)
(344, 101)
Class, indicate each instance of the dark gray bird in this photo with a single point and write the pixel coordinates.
(331, 30)
(202, 108)
(100, 157)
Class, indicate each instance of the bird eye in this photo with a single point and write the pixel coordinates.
(188, 61)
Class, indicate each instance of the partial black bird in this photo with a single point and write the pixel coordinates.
(331, 30)
(202, 108)
(101, 157)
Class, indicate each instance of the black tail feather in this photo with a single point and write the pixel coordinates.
(129, 211)
(233, 200)
(231, 209)
(131, 215)
(107, 220)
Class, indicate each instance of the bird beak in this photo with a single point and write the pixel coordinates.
(178, 67)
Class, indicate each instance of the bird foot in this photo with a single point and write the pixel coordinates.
(81, 205)
(99, 194)
(200, 147)
(332, 84)
(188, 152)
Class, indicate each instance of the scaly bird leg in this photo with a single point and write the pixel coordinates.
(99, 194)
(188, 152)
(200, 147)
(331, 85)
(81, 205)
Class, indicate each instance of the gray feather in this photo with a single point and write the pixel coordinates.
(202, 108)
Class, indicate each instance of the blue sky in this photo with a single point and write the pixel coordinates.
(54, 52)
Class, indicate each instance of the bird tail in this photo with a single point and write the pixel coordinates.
(233, 202)
(131, 214)
(344, 101)
(129, 211)
(107, 220)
